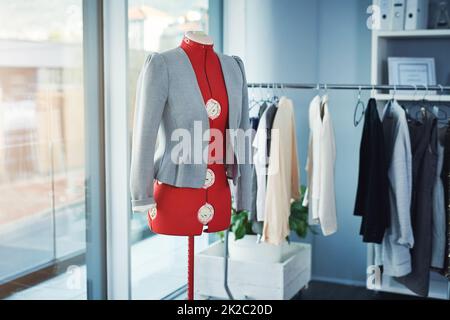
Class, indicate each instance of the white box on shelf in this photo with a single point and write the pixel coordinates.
(398, 15)
(416, 17)
(251, 279)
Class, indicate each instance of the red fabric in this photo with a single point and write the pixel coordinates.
(177, 208)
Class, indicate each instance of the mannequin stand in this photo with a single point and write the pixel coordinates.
(191, 268)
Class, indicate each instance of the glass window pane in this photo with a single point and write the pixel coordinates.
(42, 211)
(159, 263)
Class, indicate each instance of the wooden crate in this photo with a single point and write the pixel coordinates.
(252, 280)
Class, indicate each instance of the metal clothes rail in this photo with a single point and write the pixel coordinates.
(324, 86)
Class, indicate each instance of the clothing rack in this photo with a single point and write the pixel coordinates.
(324, 86)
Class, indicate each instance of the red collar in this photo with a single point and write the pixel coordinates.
(188, 44)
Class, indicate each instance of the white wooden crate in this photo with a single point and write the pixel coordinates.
(252, 280)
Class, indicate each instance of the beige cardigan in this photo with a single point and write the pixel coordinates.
(283, 176)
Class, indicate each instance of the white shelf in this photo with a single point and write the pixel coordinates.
(438, 289)
(431, 33)
(411, 97)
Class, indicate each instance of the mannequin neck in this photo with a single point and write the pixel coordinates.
(199, 37)
(190, 45)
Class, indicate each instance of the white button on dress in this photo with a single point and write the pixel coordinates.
(213, 108)
(153, 212)
(210, 178)
(205, 213)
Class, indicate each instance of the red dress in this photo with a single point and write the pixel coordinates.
(185, 211)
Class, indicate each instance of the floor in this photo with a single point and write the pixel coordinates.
(153, 267)
(158, 262)
(318, 290)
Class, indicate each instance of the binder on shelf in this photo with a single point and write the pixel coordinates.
(398, 15)
(416, 17)
(384, 9)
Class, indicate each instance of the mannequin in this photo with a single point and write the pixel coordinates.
(187, 211)
(177, 90)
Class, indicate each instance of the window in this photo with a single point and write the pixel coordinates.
(159, 263)
(42, 163)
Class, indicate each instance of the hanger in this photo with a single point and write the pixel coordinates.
(283, 90)
(358, 104)
(423, 109)
(322, 104)
(262, 99)
(253, 102)
(274, 99)
(394, 93)
(444, 114)
(372, 92)
(275, 96)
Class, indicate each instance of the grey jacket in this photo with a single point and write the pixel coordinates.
(394, 252)
(168, 98)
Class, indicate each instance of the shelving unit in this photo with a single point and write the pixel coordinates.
(416, 43)
(431, 33)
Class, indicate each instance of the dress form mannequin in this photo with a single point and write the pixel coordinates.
(187, 211)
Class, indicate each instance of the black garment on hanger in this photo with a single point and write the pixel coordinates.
(424, 141)
(445, 175)
(270, 116)
(372, 197)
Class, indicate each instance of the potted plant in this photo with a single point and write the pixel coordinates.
(245, 246)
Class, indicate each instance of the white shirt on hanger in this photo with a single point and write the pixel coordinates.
(320, 195)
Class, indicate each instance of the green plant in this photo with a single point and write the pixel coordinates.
(298, 220)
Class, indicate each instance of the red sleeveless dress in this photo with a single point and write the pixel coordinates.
(185, 211)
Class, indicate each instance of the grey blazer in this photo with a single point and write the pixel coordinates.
(169, 98)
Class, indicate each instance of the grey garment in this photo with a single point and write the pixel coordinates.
(394, 252)
(169, 101)
(424, 143)
(439, 220)
(270, 116)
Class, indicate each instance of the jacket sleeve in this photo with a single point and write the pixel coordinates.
(295, 185)
(400, 174)
(244, 183)
(151, 96)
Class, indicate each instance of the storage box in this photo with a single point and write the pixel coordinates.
(250, 279)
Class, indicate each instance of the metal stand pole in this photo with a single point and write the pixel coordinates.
(191, 268)
(225, 259)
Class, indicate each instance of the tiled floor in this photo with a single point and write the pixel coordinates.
(158, 269)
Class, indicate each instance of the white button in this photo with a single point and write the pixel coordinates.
(210, 178)
(153, 212)
(205, 213)
(213, 109)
